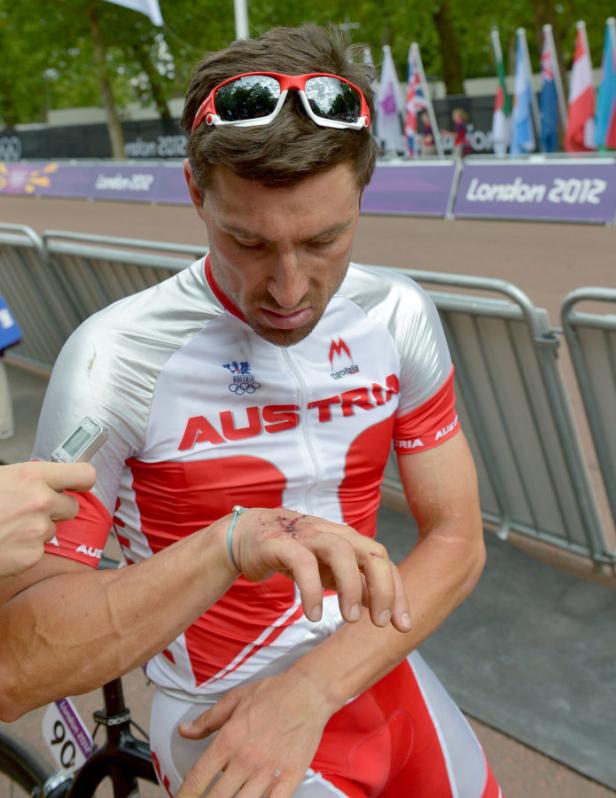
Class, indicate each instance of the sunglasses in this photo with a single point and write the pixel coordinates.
(255, 98)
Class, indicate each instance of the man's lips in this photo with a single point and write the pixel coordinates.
(287, 321)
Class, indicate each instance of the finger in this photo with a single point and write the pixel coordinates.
(380, 580)
(207, 769)
(62, 506)
(338, 554)
(257, 786)
(68, 476)
(303, 567)
(209, 721)
(401, 616)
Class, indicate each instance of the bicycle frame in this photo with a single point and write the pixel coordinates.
(123, 758)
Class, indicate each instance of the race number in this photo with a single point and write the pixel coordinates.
(66, 735)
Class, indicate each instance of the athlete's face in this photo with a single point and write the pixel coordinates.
(280, 254)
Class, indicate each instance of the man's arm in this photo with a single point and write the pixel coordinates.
(67, 629)
(292, 708)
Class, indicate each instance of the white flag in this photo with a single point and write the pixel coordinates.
(389, 107)
(148, 7)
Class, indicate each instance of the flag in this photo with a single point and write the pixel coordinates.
(389, 107)
(606, 102)
(148, 7)
(501, 118)
(415, 101)
(580, 134)
(367, 59)
(523, 136)
(548, 99)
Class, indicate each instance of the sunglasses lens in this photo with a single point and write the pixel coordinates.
(249, 97)
(333, 99)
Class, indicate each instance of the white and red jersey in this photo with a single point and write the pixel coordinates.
(204, 414)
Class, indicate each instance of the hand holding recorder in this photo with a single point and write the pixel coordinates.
(32, 496)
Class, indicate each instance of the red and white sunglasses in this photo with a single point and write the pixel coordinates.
(255, 98)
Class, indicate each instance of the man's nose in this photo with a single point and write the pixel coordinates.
(288, 284)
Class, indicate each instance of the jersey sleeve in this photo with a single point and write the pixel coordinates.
(83, 384)
(426, 415)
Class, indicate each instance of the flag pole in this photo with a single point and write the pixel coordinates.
(496, 45)
(436, 133)
(529, 73)
(241, 19)
(611, 25)
(560, 92)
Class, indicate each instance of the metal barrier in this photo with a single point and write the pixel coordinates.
(591, 338)
(55, 283)
(33, 295)
(515, 413)
(98, 270)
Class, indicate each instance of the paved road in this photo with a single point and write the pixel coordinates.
(545, 260)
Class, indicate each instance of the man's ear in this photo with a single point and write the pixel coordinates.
(193, 189)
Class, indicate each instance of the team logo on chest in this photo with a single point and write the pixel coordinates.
(341, 360)
(243, 381)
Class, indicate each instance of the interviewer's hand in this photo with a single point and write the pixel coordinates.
(320, 554)
(31, 501)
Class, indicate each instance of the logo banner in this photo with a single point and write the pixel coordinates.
(550, 191)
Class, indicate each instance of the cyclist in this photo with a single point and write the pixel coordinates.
(31, 502)
(271, 373)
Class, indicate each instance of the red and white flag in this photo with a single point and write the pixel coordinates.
(580, 134)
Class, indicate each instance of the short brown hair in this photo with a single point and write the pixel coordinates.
(292, 147)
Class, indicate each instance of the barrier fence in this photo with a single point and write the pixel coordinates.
(591, 337)
(511, 397)
(537, 188)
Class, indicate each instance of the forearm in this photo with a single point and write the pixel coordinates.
(438, 575)
(71, 632)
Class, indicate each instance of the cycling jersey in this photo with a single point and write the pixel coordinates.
(204, 414)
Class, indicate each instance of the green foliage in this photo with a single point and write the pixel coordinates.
(48, 59)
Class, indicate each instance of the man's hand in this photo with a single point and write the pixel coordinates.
(270, 731)
(31, 501)
(320, 554)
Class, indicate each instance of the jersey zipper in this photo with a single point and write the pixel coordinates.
(316, 469)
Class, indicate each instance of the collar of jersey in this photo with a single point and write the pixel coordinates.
(219, 293)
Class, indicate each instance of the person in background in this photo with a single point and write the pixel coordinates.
(461, 144)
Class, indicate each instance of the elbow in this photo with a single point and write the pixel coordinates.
(11, 710)
(15, 699)
(476, 564)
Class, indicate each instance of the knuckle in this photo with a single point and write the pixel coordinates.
(379, 551)
(40, 500)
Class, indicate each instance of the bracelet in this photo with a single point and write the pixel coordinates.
(237, 511)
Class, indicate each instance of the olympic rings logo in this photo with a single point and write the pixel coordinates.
(239, 388)
(10, 148)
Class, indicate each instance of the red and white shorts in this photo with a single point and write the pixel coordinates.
(403, 737)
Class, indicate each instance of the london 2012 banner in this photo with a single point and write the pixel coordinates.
(552, 190)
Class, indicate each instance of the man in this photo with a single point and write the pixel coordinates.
(269, 374)
(32, 501)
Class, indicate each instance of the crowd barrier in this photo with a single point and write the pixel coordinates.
(513, 404)
(537, 188)
(591, 337)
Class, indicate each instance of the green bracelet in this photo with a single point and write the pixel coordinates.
(237, 511)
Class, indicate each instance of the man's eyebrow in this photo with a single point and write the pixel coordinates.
(334, 230)
(243, 233)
